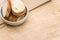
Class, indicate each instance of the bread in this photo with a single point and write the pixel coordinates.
(18, 7)
(19, 18)
(14, 10)
(11, 18)
(18, 14)
(6, 9)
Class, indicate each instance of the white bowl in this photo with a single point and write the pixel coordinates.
(15, 23)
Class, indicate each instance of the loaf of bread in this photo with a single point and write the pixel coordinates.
(18, 7)
(6, 9)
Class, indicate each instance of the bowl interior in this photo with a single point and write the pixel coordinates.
(26, 14)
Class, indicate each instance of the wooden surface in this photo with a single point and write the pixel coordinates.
(34, 3)
(42, 24)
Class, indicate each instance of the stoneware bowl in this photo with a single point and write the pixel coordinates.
(14, 23)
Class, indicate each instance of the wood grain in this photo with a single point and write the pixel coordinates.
(42, 24)
(34, 3)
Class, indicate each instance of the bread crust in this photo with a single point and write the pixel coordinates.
(18, 14)
(7, 10)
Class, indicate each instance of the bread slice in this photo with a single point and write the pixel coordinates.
(6, 9)
(18, 7)
(19, 18)
(12, 18)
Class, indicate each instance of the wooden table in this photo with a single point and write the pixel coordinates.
(43, 23)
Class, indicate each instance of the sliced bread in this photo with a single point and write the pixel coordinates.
(6, 9)
(18, 7)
